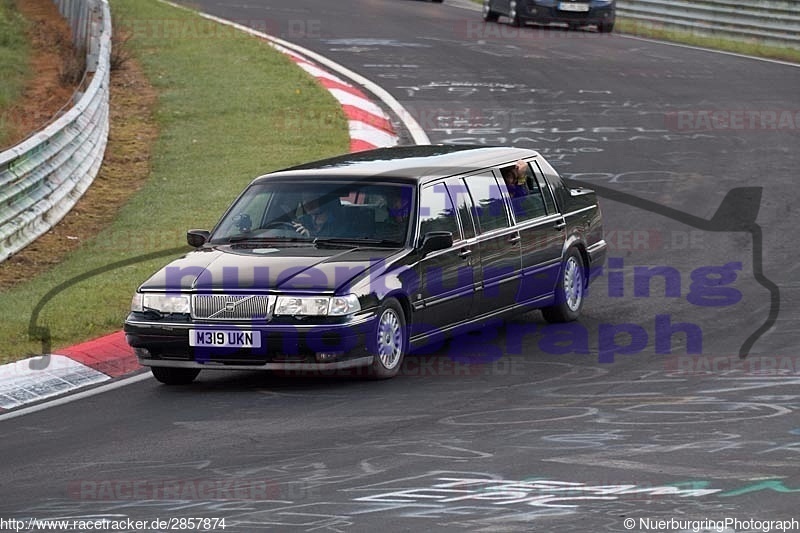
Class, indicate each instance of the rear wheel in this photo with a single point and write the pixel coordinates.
(174, 376)
(389, 341)
(570, 290)
(488, 14)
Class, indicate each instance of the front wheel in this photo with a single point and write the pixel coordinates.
(570, 290)
(389, 341)
(605, 27)
(174, 376)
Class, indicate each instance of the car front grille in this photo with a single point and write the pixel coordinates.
(232, 306)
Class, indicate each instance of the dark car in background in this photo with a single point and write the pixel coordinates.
(351, 261)
(575, 14)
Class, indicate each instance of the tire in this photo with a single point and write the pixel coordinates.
(437, 1)
(488, 14)
(570, 290)
(389, 341)
(174, 376)
(605, 27)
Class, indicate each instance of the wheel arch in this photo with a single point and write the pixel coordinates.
(579, 244)
(405, 304)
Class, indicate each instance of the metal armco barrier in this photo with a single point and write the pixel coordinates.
(771, 21)
(43, 177)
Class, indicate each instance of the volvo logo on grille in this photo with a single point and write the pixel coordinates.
(230, 306)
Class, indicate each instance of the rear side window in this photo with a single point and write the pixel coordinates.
(527, 200)
(463, 202)
(548, 194)
(489, 207)
(436, 211)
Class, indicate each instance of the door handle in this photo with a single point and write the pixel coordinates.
(560, 225)
(515, 239)
(463, 254)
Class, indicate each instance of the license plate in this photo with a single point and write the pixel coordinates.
(228, 338)
(573, 6)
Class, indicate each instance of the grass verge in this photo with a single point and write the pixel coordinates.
(229, 108)
(14, 71)
(746, 47)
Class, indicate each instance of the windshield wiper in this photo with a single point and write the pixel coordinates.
(356, 242)
(247, 238)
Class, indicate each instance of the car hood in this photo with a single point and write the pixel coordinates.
(242, 269)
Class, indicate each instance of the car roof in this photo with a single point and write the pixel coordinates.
(405, 163)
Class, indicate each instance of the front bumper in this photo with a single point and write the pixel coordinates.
(545, 12)
(283, 346)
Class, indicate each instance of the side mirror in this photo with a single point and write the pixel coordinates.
(436, 240)
(197, 237)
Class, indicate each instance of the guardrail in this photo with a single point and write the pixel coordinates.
(43, 177)
(771, 21)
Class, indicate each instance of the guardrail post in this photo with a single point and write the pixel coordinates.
(95, 28)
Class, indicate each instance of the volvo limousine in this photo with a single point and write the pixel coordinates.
(353, 261)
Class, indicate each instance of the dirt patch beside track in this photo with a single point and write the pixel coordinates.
(126, 164)
(49, 88)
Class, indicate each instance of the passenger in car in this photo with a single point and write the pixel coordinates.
(515, 177)
(398, 205)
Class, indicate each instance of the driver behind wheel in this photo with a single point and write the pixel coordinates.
(320, 218)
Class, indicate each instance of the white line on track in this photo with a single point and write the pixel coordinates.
(77, 396)
(702, 49)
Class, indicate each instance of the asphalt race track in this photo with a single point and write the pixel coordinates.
(642, 410)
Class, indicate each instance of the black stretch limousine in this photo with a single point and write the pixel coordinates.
(350, 261)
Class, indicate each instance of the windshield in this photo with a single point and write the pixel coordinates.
(304, 210)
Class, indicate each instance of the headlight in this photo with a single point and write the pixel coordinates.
(161, 303)
(344, 305)
(136, 303)
(294, 305)
(317, 305)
